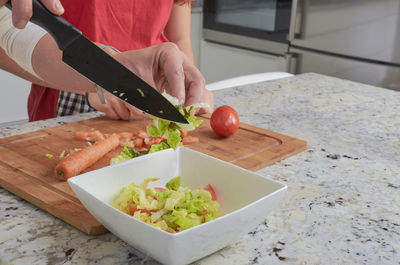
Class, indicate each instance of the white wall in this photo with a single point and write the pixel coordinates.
(13, 97)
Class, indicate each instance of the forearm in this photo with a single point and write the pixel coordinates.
(33, 55)
(9, 65)
(48, 65)
(178, 28)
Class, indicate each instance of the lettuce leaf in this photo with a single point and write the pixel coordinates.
(125, 154)
(158, 147)
(174, 138)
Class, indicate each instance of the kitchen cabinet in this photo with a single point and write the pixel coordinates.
(218, 62)
(13, 101)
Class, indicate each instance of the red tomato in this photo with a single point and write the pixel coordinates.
(210, 189)
(133, 208)
(224, 121)
(159, 189)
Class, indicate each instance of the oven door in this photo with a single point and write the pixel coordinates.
(261, 25)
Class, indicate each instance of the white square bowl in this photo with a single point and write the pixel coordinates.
(245, 198)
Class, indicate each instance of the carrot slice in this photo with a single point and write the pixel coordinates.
(138, 142)
(97, 134)
(79, 161)
(126, 135)
(156, 140)
(142, 134)
(190, 140)
(184, 132)
(81, 136)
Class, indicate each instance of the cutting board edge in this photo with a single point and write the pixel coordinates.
(91, 226)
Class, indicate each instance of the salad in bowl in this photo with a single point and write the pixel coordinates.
(173, 209)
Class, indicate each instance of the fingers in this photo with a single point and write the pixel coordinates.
(171, 62)
(3, 2)
(120, 109)
(208, 97)
(185, 81)
(22, 10)
(54, 6)
(114, 108)
(195, 83)
(135, 112)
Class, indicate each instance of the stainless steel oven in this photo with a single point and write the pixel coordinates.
(260, 25)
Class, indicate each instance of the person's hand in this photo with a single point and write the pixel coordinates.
(166, 68)
(22, 10)
(114, 107)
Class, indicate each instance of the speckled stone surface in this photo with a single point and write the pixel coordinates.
(343, 199)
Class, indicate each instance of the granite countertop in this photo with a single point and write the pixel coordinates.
(343, 200)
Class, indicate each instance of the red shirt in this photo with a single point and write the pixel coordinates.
(124, 24)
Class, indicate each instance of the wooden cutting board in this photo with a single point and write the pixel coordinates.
(28, 173)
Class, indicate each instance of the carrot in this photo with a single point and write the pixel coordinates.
(79, 161)
(190, 140)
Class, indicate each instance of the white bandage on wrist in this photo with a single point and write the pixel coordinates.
(19, 43)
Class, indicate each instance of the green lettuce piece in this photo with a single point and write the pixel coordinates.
(174, 183)
(158, 147)
(125, 154)
(161, 127)
(162, 198)
(126, 196)
(152, 130)
(174, 138)
(174, 200)
(158, 128)
(182, 220)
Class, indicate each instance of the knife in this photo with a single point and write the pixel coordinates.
(102, 69)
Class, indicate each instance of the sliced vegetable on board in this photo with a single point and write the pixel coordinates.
(79, 161)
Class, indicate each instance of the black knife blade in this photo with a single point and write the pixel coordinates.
(99, 67)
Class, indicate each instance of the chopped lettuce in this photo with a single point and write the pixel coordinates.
(171, 129)
(174, 183)
(125, 154)
(158, 147)
(174, 138)
(172, 209)
(165, 128)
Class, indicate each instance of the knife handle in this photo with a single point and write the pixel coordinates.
(60, 29)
